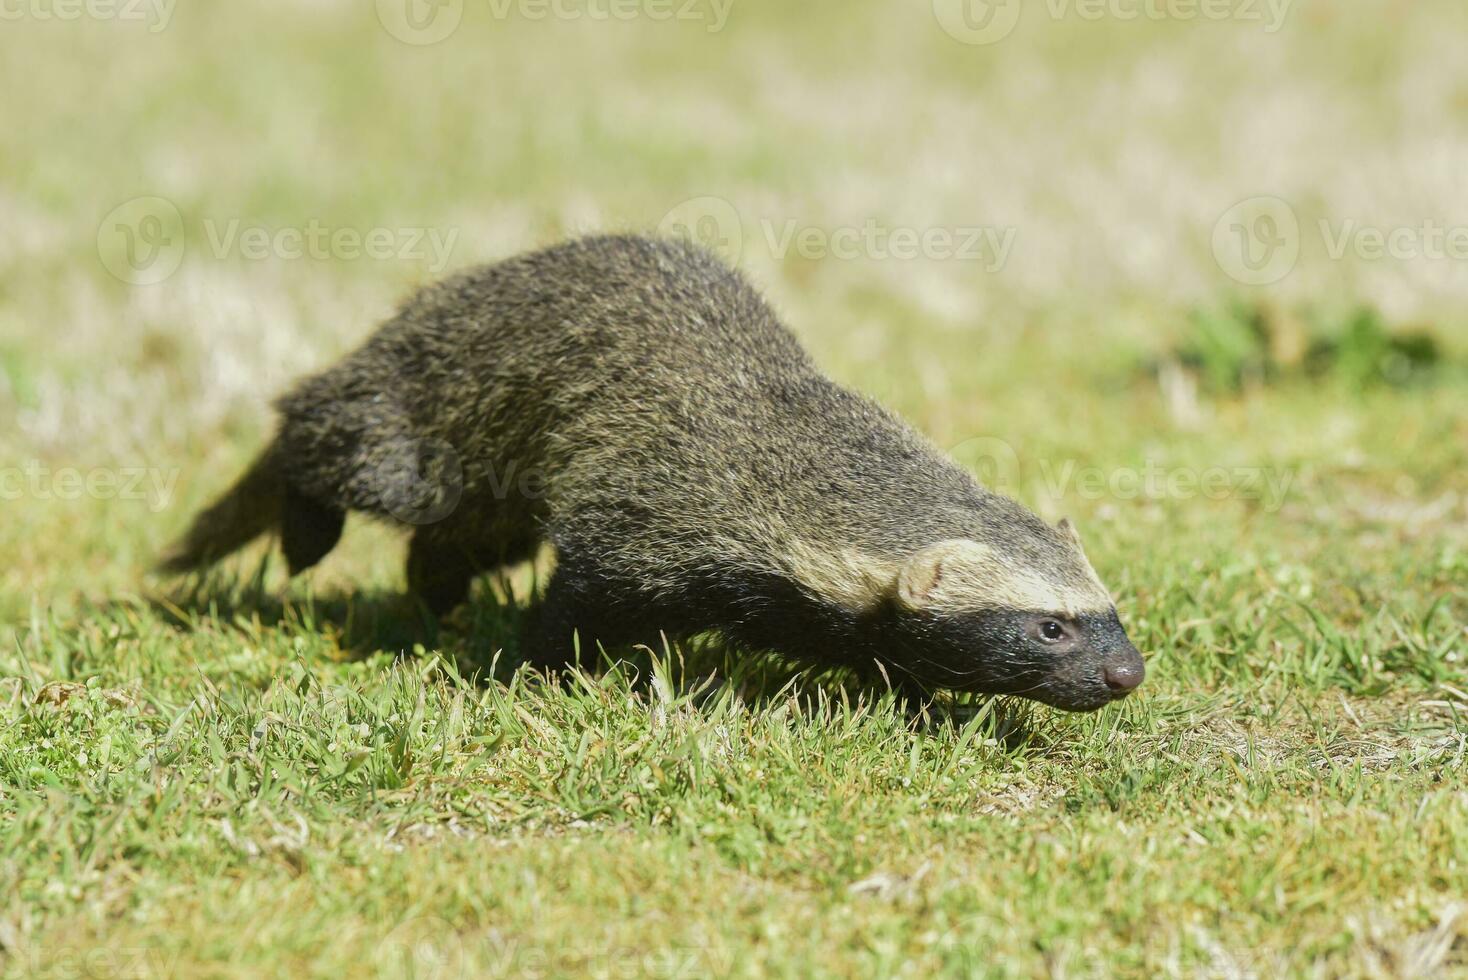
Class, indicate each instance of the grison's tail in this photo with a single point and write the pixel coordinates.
(250, 508)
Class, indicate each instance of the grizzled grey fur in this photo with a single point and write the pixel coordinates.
(637, 405)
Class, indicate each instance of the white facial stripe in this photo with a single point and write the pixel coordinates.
(1003, 589)
(970, 576)
(974, 576)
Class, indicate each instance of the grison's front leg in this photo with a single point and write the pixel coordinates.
(440, 570)
(580, 615)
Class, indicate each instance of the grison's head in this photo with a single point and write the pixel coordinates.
(1023, 615)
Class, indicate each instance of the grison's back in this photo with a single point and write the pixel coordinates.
(592, 314)
(646, 356)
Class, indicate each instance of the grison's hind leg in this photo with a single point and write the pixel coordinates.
(442, 562)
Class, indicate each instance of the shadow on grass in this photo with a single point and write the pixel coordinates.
(481, 640)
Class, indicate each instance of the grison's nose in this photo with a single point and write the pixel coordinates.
(1125, 672)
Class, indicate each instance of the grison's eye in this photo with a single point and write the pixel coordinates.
(1052, 631)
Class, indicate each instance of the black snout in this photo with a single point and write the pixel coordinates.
(1124, 671)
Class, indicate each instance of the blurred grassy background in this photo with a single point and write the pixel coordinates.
(1111, 338)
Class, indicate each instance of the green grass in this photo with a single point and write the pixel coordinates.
(244, 776)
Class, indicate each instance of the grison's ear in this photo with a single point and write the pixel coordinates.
(1068, 532)
(921, 577)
